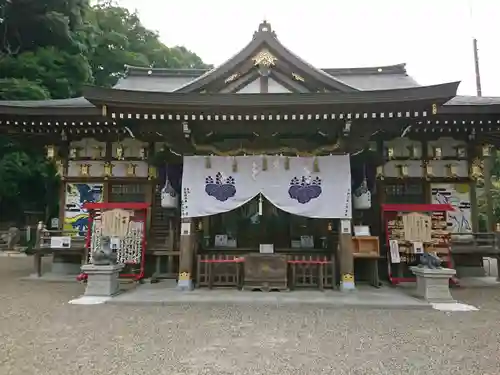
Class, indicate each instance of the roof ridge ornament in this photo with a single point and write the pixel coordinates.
(264, 27)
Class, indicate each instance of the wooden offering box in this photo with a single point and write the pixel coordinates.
(366, 246)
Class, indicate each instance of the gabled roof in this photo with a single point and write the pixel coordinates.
(265, 41)
(363, 79)
(126, 98)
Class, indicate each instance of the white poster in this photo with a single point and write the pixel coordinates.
(457, 195)
(418, 248)
(345, 226)
(394, 248)
(305, 186)
(60, 242)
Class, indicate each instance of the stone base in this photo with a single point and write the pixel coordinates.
(66, 264)
(347, 283)
(103, 281)
(185, 285)
(470, 271)
(433, 285)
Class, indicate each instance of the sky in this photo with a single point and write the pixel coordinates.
(433, 37)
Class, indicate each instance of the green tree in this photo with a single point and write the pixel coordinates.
(120, 39)
(50, 49)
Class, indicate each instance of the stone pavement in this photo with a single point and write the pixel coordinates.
(164, 293)
(40, 333)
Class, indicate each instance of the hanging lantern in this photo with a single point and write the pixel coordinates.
(452, 170)
(264, 163)
(97, 152)
(60, 168)
(362, 197)
(169, 197)
(73, 153)
(235, 165)
(316, 165)
(437, 153)
(390, 153)
(429, 172)
(84, 170)
(143, 153)
(152, 172)
(476, 170)
(131, 170)
(403, 170)
(108, 169)
(287, 163)
(120, 152)
(461, 152)
(486, 150)
(414, 151)
(380, 172)
(208, 163)
(51, 152)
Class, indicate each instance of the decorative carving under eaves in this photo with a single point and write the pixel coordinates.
(264, 58)
(232, 77)
(297, 77)
(211, 149)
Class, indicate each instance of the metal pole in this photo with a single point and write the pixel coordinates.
(476, 68)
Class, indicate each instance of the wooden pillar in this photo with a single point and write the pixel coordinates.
(488, 165)
(346, 259)
(474, 209)
(186, 254)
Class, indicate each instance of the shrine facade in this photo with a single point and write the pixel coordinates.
(265, 154)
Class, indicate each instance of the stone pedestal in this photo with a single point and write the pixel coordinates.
(102, 280)
(433, 285)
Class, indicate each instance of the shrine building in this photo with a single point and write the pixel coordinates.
(264, 157)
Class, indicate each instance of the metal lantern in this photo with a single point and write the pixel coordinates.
(403, 170)
(461, 152)
(452, 170)
(120, 151)
(390, 153)
(143, 153)
(380, 172)
(486, 150)
(108, 169)
(476, 170)
(429, 172)
(84, 170)
(51, 152)
(131, 170)
(152, 174)
(414, 151)
(437, 153)
(97, 152)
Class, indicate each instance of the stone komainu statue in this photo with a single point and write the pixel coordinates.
(104, 256)
(430, 260)
(12, 237)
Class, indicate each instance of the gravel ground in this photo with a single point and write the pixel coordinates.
(40, 333)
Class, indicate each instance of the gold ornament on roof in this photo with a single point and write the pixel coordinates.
(264, 58)
(232, 77)
(297, 77)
